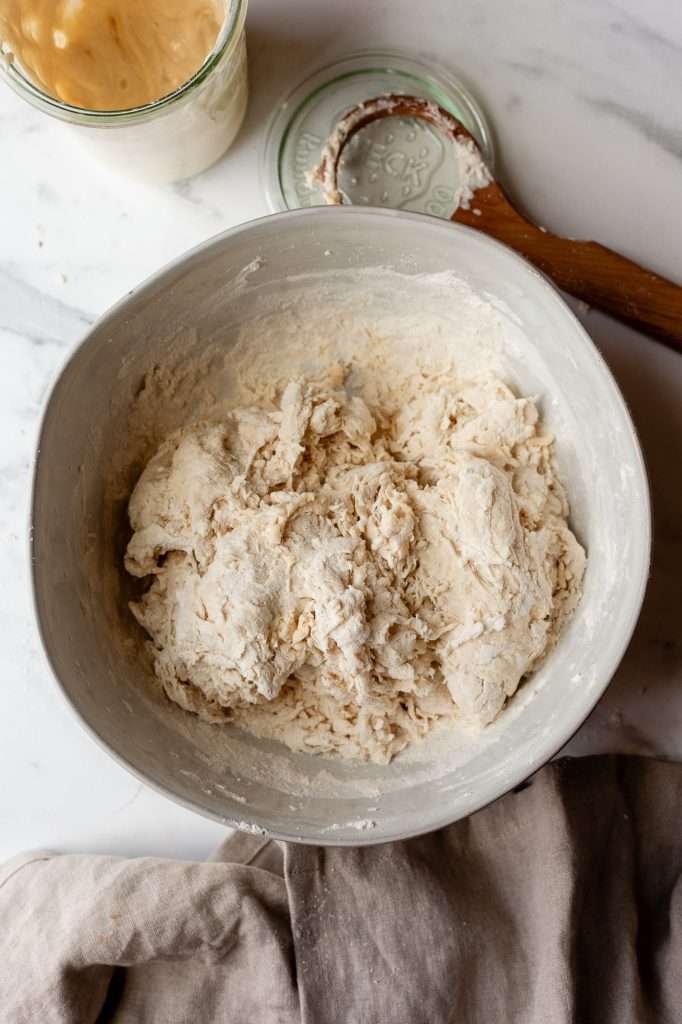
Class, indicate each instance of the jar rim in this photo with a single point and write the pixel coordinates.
(227, 39)
(396, 71)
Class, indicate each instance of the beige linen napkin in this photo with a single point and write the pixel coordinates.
(560, 903)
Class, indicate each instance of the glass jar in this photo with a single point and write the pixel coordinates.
(407, 165)
(174, 137)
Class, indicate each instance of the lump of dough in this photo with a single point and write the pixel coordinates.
(343, 577)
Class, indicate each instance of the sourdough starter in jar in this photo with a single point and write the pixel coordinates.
(157, 88)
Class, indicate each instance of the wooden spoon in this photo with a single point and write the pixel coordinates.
(597, 275)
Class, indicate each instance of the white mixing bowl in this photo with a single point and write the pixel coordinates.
(204, 301)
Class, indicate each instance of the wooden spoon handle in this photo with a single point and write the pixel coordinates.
(600, 277)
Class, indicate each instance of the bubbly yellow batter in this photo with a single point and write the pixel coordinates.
(110, 54)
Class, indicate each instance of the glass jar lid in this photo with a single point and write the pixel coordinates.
(403, 163)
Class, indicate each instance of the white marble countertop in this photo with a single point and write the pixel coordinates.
(585, 99)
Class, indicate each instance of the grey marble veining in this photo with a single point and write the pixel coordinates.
(35, 316)
(585, 100)
(669, 138)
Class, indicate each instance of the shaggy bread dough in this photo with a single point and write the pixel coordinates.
(342, 575)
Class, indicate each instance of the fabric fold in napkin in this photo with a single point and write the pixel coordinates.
(561, 902)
